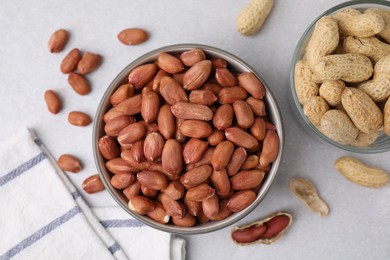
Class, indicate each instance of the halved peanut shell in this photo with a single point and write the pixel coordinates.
(306, 192)
(261, 239)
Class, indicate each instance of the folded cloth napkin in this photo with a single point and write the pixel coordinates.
(43, 216)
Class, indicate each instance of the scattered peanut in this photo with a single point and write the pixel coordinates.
(133, 36)
(253, 16)
(58, 40)
(361, 174)
(53, 102)
(69, 163)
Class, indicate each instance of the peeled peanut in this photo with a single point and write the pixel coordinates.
(79, 118)
(93, 184)
(132, 36)
(53, 102)
(69, 163)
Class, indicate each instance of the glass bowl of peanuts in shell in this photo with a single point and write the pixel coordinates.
(188, 139)
(339, 80)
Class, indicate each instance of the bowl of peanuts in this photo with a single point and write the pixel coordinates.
(339, 76)
(188, 139)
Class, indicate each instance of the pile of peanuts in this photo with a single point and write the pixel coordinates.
(343, 81)
(187, 139)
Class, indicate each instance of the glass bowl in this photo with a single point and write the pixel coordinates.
(382, 143)
(237, 65)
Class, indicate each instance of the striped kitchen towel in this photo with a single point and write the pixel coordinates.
(43, 216)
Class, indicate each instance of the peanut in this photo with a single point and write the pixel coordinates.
(371, 47)
(336, 125)
(193, 150)
(202, 97)
(385, 32)
(330, 91)
(240, 200)
(89, 63)
(152, 179)
(200, 193)
(362, 110)
(186, 221)
(169, 63)
(122, 181)
(185, 110)
(53, 102)
(108, 147)
(118, 166)
(323, 41)
(305, 85)
(58, 40)
(253, 16)
(69, 63)
(159, 214)
(93, 184)
(243, 113)
(221, 155)
(132, 36)
(245, 180)
(379, 87)
(197, 75)
(236, 161)
(69, 163)
(140, 204)
(350, 67)
(79, 83)
(225, 78)
(353, 23)
(249, 234)
(314, 108)
(364, 140)
(361, 174)
(191, 57)
(153, 146)
(275, 225)
(142, 75)
(196, 176)
(79, 118)
(221, 182)
(270, 149)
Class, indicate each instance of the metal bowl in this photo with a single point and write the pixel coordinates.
(382, 144)
(237, 65)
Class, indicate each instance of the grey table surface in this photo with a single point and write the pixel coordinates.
(358, 226)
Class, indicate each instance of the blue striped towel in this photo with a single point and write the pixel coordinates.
(43, 216)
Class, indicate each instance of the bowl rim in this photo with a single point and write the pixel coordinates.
(297, 56)
(214, 225)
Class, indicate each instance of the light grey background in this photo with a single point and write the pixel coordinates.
(358, 226)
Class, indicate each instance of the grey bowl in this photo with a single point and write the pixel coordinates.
(237, 65)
